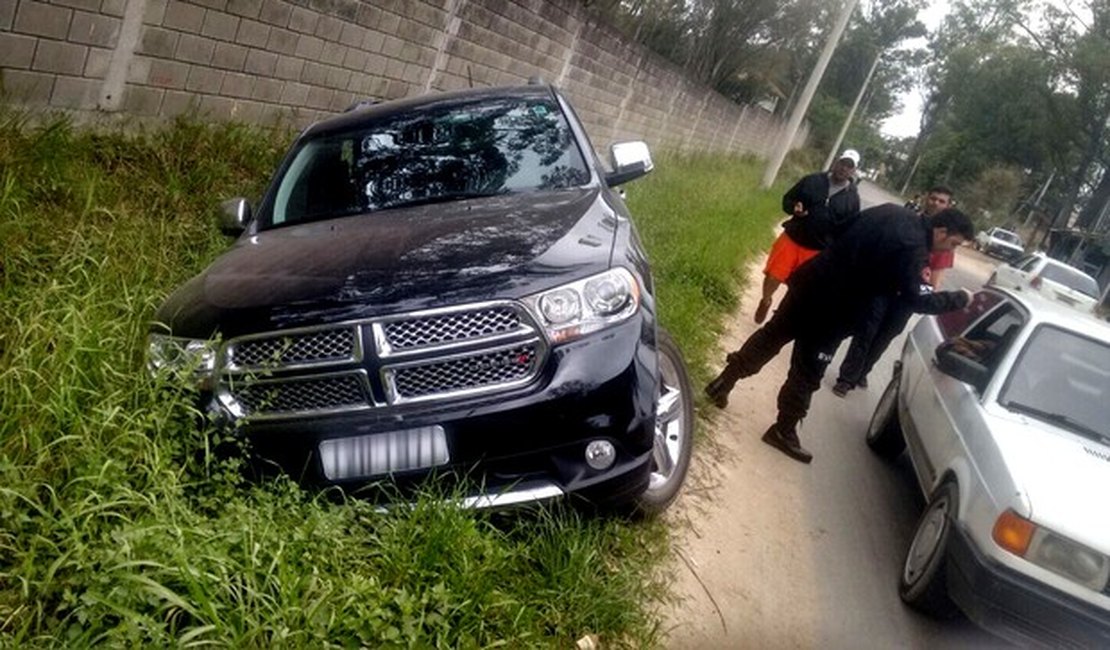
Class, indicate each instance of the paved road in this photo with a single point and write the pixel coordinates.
(777, 554)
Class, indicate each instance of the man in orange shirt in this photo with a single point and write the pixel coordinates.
(821, 206)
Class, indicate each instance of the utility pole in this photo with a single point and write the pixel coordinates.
(852, 112)
(913, 170)
(1038, 195)
(786, 138)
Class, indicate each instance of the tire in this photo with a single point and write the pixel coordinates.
(884, 432)
(674, 430)
(922, 583)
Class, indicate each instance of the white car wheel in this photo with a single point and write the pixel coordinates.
(884, 433)
(922, 583)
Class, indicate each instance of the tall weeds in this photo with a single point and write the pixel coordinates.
(118, 528)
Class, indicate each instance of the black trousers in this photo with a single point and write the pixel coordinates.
(803, 319)
(881, 323)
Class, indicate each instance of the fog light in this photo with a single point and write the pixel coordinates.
(600, 454)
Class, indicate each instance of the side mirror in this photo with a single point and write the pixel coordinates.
(961, 367)
(630, 160)
(235, 214)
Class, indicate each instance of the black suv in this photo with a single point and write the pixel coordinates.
(443, 286)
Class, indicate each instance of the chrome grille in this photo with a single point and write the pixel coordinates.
(451, 327)
(300, 395)
(476, 371)
(294, 348)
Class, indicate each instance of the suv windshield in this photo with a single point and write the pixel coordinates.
(1007, 236)
(1071, 278)
(1062, 378)
(441, 153)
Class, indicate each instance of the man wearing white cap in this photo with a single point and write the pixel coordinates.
(821, 206)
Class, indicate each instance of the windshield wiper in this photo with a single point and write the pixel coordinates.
(441, 198)
(1058, 418)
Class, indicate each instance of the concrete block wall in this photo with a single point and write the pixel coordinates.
(300, 60)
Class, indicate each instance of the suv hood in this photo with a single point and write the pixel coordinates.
(1064, 476)
(401, 259)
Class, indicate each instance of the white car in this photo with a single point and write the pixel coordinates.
(1000, 243)
(1004, 409)
(1053, 279)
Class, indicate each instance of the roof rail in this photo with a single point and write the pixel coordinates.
(362, 103)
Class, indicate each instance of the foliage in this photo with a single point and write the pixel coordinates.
(749, 50)
(1020, 84)
(120, 528)
(991, 198)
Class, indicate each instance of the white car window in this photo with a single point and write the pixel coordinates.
(1071, 278)
(996, 332)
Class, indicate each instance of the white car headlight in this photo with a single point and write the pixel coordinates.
(586, 305)
(181, 356)
(1069, 559)
(1048, 550)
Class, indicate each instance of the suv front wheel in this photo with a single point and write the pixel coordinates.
(674, 430)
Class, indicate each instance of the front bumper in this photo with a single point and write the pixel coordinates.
(1018, 608)
(520, 445)
(1003, 252)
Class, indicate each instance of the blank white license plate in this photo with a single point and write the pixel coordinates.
(380, 454)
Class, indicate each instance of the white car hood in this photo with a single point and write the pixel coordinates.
(1064, 476)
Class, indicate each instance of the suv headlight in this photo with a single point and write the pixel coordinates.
(587, 305)
(182, 357)
(1051, 551)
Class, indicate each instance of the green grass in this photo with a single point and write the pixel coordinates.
(702, 221)
(118, 528)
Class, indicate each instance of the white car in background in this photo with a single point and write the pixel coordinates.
(1000, 242)
(1004, 409)
(1051, 278)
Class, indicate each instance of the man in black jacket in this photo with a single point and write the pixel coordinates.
(821, 206)
(885, 318)
(886, 252)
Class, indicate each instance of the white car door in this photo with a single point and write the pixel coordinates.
(946, 413)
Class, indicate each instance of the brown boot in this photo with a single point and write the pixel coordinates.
(786, 441)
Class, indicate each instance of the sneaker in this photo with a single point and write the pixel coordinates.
(862, 383)
(786, 441)
(761, 310)
(717, 393)
(841, 388)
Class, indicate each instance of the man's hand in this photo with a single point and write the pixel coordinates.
(969, 293)
(800, 210)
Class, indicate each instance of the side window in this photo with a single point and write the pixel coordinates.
(953, 323)
(991, 337)
(1029, 263)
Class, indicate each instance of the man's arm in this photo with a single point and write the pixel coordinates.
(919, 294)
(793, 197)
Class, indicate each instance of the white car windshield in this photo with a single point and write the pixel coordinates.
(1071, 278)
(1007, 236)
(1063, 378)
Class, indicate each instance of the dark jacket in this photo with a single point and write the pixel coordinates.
(885, 252)
(827, 218)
